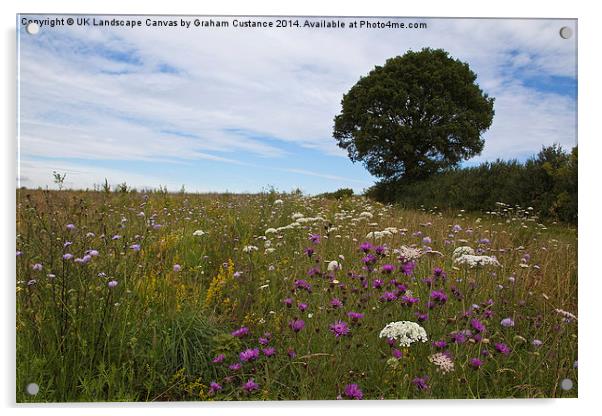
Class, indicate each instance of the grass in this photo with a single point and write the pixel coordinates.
(154, 336)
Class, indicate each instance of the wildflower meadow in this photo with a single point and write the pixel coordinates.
(157, 296)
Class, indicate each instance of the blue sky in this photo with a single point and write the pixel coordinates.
(218, 110)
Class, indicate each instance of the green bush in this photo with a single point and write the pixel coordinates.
(546, 182)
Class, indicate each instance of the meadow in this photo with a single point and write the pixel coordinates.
(134, 296)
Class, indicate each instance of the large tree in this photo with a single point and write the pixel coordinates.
(417, 114)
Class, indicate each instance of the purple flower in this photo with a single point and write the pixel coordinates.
(19, 253)
(302, 307)
(475, 363)
(388, 297)
(309, 251)
(336, 303)
(420, 383)
(265, 339)
(70, 227)
(537, 343)
(353, 391)
(387, 268)
(135, 247)
(439, 273)
(291, 353)
(477, 325)
(214, 387)
(288, 302)
(421, 316)
(302, 284)
(67, 256)
(240, 332)
(339, 329)
(408, 268)
(297, 324)
(380, 250)
(250, 386)
(365, 247)
(355, 316)
(269, 351)
(377, 283)
(502, 348)
(250, 354)
(369, 259)
(507, 322)
(93, 253)
(427, 240)
(314, 238)
(396, 353)
(235, 366)
(458, 337)
(440, 344)
(177, 268)
(409, 300)
(116, 237)
(112, 284)
(439, 296)
(219, 358)
(37, 267)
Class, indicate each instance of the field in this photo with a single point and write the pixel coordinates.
(157, 296)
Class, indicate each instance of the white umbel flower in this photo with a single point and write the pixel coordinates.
(271, 231)
(333, 266)
(476, 261)
(443, 362)
(461, 251)
(406, 332)
(199, 233)
(407, 254)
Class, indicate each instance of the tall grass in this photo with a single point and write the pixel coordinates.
(179, 296)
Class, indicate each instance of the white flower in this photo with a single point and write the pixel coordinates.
(248, 249)
(406, 332)
(334, 266)
(460, 251)
(297, 215)
(271, 231)
(475, 261)
(442, 361)
(407, 254)
(199, 233)
(278, 202)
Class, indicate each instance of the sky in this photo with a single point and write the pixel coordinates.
(243, 110)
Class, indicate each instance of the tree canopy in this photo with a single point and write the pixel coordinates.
(416, 115)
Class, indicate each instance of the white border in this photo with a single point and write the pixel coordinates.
(589, 206)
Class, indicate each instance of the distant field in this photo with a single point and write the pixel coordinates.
(132, 296)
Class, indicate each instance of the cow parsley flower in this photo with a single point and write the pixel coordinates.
(408, 254)
(443, 362)
(461, 251)
(476, 261)
(405, 332)
(334, 266)
(198, 233)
